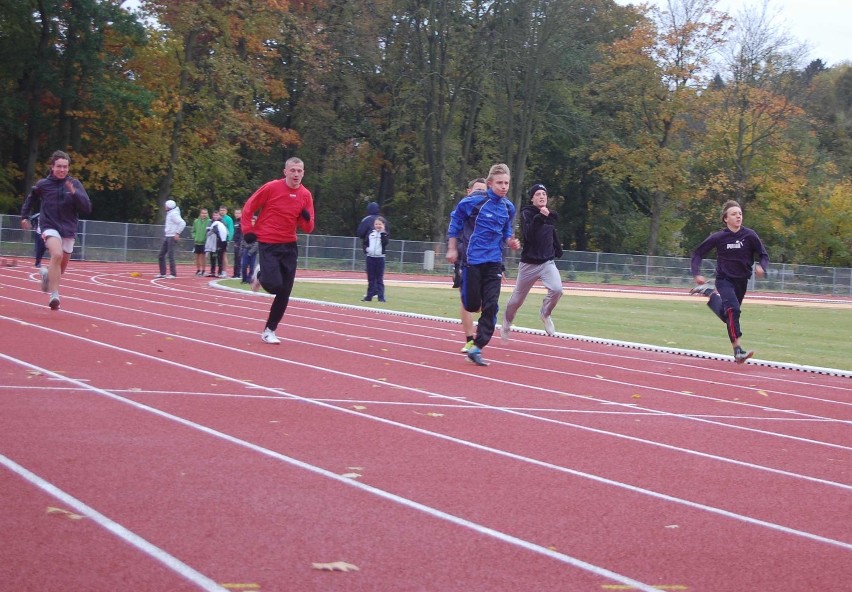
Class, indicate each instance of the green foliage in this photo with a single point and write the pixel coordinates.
(402, 103)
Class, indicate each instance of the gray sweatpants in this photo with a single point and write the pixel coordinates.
(528, 275)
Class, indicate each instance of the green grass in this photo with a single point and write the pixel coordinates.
(807, 335)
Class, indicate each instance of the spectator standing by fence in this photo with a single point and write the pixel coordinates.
(217, 242)
(199, 237)
(173, 226)
(238, 243)
(375, 244)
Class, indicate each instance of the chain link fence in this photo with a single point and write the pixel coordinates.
(124, 242)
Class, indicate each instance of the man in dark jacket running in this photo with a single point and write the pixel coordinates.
(62, 200)
(541, 246)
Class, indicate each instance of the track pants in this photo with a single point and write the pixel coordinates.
(726, 304)
(528, 275)
(480, 291)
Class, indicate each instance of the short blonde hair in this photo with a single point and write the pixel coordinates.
(498, 169)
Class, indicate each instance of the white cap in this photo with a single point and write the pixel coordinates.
(170, 204)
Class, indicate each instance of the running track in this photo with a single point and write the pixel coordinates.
(151, 442)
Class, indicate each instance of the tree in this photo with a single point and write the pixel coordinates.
(649, 82)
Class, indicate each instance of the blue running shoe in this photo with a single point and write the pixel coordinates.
(474, 354)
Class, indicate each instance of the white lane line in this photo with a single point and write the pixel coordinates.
(411, 504)
(459, 441)
(128, 536)
(431, 394)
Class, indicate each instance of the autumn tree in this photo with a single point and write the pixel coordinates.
(648, 83)
(64, 83)
(221, 54)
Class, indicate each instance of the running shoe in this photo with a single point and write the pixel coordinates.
(44, 279)
(53, 303)
(549, 327)
(741, 355)
(705, 289)
(268, 336)
(467, 346)
(505, 329)
(474, 354)
(255, 278)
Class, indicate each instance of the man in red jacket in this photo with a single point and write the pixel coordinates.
(281, 206)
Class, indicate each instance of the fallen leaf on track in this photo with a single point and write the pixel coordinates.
(335, 566)
(65, 513)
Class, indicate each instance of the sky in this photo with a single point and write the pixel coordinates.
(824, 25)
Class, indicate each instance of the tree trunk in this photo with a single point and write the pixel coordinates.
(177, 126)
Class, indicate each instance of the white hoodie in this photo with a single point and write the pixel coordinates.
(174, 223)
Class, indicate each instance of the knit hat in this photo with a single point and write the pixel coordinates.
(170, 204)
(535, 188)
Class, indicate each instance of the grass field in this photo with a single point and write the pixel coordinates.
(807, 335)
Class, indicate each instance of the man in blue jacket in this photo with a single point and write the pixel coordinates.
(480, 226)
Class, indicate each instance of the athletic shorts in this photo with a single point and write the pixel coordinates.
(198, 249)
(67, 243)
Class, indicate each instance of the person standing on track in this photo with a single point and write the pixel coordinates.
(282, 206)
(229, 224)
(479, 227)
(174, 225)
(541, 246)
(375, 246)
(736, 247)
(63, 199)
(199, 237)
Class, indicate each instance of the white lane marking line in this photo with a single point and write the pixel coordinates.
(467, 443)
(118, 530)
(434, 512)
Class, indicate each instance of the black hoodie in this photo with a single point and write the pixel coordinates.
(365, 227)
(539, 236)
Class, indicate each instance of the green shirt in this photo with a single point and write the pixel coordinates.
(199, 230)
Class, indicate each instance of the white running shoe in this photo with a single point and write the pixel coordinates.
(505, 329)
(268, 336)
(549, 327)
(44, 279)
(255, 279)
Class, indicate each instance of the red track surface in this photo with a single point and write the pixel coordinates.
(198, 457)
